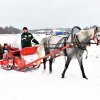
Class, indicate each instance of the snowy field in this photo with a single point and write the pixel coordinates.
(40, 85)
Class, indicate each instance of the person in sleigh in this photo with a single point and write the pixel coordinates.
(1, 52)
(26, 39)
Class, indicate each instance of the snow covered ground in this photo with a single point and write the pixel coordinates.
(40, 85)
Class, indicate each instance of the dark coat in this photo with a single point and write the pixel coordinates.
(1, 52)
(26, 39)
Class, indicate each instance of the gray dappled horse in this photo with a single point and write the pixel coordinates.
(79, 41)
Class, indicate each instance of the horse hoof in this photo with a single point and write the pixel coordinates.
(62, 76)
(85, 78)
(38, 66)
(50, 72)
(44, 71)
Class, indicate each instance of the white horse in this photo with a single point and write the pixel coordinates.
(79, 42)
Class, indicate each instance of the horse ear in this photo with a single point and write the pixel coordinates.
(96, 29)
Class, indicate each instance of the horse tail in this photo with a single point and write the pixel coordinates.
(40, 50)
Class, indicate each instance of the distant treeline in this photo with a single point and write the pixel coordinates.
(13, 30)
(9, 30)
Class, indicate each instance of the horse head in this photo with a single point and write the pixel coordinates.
(89, 34)
(96, 35)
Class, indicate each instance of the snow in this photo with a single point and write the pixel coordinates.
(40, 85)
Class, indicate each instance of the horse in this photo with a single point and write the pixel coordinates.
(79, 41)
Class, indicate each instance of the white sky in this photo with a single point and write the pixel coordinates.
(49, 13)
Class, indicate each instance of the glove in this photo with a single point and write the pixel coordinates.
(35, 41)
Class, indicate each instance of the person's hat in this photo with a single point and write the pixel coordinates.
(5, 44)
(25, 28)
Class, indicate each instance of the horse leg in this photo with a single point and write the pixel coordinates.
(66, 66)
(81, 67)
(44, 62)
(50, 64)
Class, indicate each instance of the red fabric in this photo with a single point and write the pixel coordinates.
(0, 55)
(19, 63)
(12, 48)
(28, 50)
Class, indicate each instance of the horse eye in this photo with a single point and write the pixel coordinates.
(98, 35)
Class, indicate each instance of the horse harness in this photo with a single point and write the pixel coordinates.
(83, 45)
(74, 41)
(77, 43)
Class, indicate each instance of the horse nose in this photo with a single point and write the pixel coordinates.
(98, 41)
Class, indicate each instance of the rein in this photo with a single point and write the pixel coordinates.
(95, 38)
(78, 43)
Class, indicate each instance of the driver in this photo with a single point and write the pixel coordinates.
(26, 38)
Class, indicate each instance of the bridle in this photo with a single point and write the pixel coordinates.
(95, 38)
(79, 44)
(82, 45)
